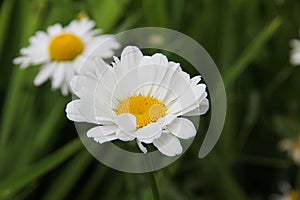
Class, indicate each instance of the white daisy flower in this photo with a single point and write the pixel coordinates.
(295, 52)
(287, 193)
(292, 146)
(139, 98)
(61, 50)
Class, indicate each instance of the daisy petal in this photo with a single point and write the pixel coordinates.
(150, 132)
(141, 146)
(200, 110)
(58, 76)
(130, 58)
(126, 122)
(100, 131)
(182, 128)
(44, 74)
(81, 111)
(123, 136)
(168, 144)
(106, 138)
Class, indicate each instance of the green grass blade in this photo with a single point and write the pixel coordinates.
(5, 16)
(156, 12)
(68, 176)
(11, 185)
(91, 184)
(251, 51)
(49, 125)
(28, 21)
(107, 12)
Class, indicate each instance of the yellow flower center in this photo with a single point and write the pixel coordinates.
(145, 109)
(293, 195)
(82, 15)
(65, 46)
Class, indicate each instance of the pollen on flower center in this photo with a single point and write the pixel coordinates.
(145, 109)
(65, 46)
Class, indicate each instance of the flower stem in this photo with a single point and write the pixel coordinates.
(153, 185)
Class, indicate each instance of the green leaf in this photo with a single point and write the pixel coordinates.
(107, 12)
(28, 20)
(68, 176)
(5, 16)
(251, 52)
(12, 184)
(156, 12)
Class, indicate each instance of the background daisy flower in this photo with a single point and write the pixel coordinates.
(139, 98)
(288, 193)
(61, 50)
(295, 52)
(292, 146)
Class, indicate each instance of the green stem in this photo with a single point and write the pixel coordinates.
(297, 184)
(153, 185)
(269, 162)
(281, 76)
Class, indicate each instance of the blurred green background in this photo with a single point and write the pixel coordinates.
(41, 156)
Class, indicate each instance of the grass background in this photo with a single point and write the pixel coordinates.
(41, 156)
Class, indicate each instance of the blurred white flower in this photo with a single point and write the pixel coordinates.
(292, 146)
(287, 193)
(295, 52)
(139, 98)
(61, 51)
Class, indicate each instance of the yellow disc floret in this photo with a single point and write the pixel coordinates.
(65, 46)
(145, 109)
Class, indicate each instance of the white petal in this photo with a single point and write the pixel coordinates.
(45, 72)
(73, 112)
(200, 110)
(105, 120)
(83, 86)
(149, 133)
(100, 131)
(126, 122)
(58, 76)
(168, 144)
(166, 120)
(106, 138)
(64, 89)
(189, 98)
(130, 58)
(123, 136)
(54, 29)
(141, 146)
(157, 59)
(195, 80)
(81, 111)
(182, 128)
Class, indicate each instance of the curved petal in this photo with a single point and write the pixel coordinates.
(130, 58)
(44, 74)
(200, 110)
(83, 86)
(123, 136)
(101, 131)
(126, 122)
(81, 111)
(189, 98)
(182, 128)
(141, 146)
(168, 144)
(149, 133)
(195, 80)
(58, 76)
